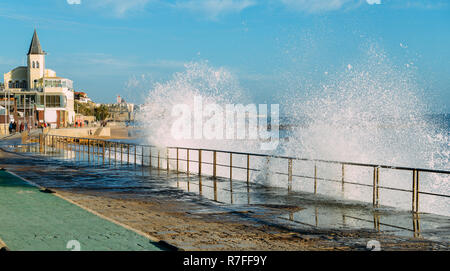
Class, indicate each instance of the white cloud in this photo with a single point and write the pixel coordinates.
(317, 6)
(215, 8)
(422, 4)
(314, 6)
(74, 2)
(372, 2)
(120, 7)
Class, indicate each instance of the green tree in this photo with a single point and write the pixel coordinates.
(85, 109)
(101, 112)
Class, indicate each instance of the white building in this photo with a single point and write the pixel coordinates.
(37, 92)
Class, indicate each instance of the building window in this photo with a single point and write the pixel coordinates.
(10, 84)
(34, 65)
(17, 84)
(53, 101)
(37, 64)
(23, 84)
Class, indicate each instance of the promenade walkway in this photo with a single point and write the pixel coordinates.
(35, 220)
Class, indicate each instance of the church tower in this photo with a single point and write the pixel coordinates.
(36, 62)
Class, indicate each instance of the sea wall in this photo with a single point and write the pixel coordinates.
(82, 132)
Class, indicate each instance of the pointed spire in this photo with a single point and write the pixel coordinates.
(35, 46)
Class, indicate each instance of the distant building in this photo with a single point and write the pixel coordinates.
(82, 97)
(121, 111)
(37, 92)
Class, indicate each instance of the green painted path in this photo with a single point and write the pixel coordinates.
(32, 220)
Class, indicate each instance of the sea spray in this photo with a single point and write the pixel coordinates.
(201, 84)
(371, 112)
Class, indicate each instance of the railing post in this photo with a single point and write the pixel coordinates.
(121, 153)
(159, 154)
(128, 154)
(167, 160)
(187, 162)
(150, 157)
(200, 187)
(76, 148)
(142, 156)
(97, 142)
(214, 164)
(231, 172)
(199, 162)
(109, 152)
(315, 178)
(248, 170)
(378, 187)
(84, 148)
(376, 175)
(177, 160)
(88, 148)
(413, 201)
(415, 191)
(215, 189)
(289, 174)
(115, 154)
(376, 221)
(343, 174)
(416, 225)
(135, 155)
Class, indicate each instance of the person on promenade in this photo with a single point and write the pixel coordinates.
(10, 127)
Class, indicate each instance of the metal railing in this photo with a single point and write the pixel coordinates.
(104, 148)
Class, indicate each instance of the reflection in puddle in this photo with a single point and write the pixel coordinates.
(114, 171)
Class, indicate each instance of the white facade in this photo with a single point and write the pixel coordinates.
(38, 92)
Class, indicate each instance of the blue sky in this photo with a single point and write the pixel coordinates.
(103, 45)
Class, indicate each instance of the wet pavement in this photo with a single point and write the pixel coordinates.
(304, 212)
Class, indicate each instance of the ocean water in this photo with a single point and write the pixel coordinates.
(372, 113)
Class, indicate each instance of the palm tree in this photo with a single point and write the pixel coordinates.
(101, 112)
